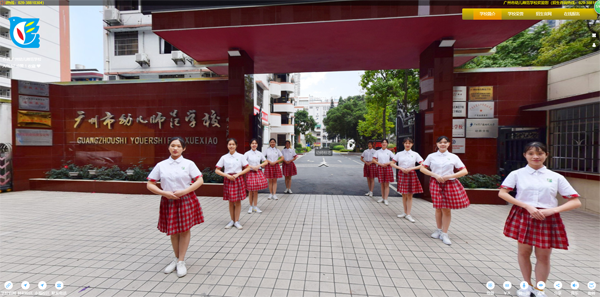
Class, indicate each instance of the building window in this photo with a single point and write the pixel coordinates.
(260, 93)
(124, 5)
(126, 43)
(165, 47)
(281, 139)
(574, 134)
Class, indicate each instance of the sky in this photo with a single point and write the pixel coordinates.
(87, 49)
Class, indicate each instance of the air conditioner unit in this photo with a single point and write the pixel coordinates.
(113, 77)
(178, 56)
(142, 58)
(112, 17)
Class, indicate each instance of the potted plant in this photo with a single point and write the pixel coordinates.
(482, 189)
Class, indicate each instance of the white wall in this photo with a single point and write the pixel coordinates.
(580, 76)
(5, 124)
(148, 43)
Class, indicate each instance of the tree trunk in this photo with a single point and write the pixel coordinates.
(383, 124)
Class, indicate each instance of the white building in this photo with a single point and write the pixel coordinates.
(317, 108)
(274, 93)
(48, 63)
(133, 51)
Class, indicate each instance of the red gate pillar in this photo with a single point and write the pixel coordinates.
(436, 72)
(241, 99)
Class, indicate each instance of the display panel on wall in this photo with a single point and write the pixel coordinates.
(458, 145)
(481, 110)
(484, 128)
(33, 88)
(459, 93)
(33, 137)
(481, 93)
(34, 119)
(458, 127)
(34, 103)
(459, 109)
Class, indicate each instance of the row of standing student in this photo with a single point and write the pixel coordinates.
(446, 191)
(534, 219)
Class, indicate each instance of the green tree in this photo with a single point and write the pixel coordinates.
(303, 123)
(309, 138)
(519, 50)
(372, 126)
(382, 90)
(342, 121)
(571, 40)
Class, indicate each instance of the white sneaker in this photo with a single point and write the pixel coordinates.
(290, 191)
(275, 197)
(445, 239)
(371, 194)
(525, 292)
(171, 267)
(368, 193)
(250, 210)
(410, 218)
(257, 209)
(270, 196)
(539, 293)
(229, 225)
(436, 234)
(237, 225)
(181, 270)
(401, 215)
(385, 202)
(286, 191)
(380, 200)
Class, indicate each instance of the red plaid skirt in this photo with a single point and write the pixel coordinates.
(450, 194)
(234, 191)
(370, 171)
(545, 234)
(273, 171)
(385, 174)
(289, 169)
(256, 180)
(409, 183)
(179, 215)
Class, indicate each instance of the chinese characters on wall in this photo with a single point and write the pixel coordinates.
(109, 120)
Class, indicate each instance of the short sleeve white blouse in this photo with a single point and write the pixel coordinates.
(254, 157)
(175, 174)
(539, 187)
(368, 155)
(407, 159)
(288, 154)
(272, 154)
(443, 163)
(383, 156)
(232, 164)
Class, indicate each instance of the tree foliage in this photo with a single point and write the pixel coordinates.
(519, 50)
(303, 122)
(342, 121)
(309, 138)
(372, 125)
(571, 40)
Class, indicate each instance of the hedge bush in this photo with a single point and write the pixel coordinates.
(480, 181)
(338, 147)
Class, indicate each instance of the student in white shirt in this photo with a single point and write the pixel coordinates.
(289, 168)
(232, 166)
(370, 168)
(408, 182)
(255, 179)
(446, 191)
(534, 219)
(383, 159)
(272, 170)
(179, 207)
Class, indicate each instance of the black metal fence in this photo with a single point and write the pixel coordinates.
(5, 167)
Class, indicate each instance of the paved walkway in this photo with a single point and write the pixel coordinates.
(301, 245)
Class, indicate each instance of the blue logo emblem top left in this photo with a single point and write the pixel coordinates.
(24, 32)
